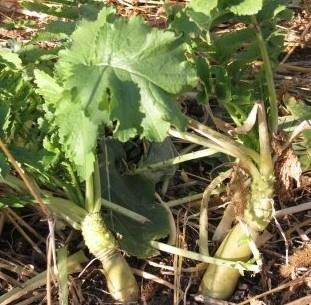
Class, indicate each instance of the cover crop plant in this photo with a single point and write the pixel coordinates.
(122, 75)
(224, 64)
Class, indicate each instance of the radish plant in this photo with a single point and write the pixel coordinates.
(224, 64)
(121, 75)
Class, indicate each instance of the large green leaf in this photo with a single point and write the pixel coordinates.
(137, 194)
(141, 68)
(119, 72)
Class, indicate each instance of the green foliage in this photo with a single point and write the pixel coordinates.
(301, 111)
(225, 59)
(4, 166)
(243, 7)
(135, 193)
(14, 201)
(73, 10)
(117, 70)
(18, 102)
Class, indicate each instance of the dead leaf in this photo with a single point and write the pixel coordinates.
(287, 169)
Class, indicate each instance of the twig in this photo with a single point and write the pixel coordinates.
(302, 301)
(25, 224)
(211, 301)
(295, 209)
(27, 180)
(276, 289)
(284, 238)
(187, 199)
(48, 274)
(295, 68)
(23, 233)
(149, 276)
(33, 189)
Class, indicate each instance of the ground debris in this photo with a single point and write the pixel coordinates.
(300, 258)
(287, 169)
(211, 301)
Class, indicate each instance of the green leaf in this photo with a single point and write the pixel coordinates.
(4, 166)
(63, 11)
(77, 134)
(48, 87)
(299, 109)
(11, 59)
(203, 6)
(244, 7)
(131, 71)
(300, 112)
(202, 12)
(160, 152)
(15, 201)
(137, 194)
(4, 118)
(179, 21)
(38, 160)
(227, 44)
(274, 11)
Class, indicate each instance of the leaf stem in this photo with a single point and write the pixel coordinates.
(123, 211)
(89, 193)
(170, 162)
(269, 76)
(184, 200)
(224, 141)
(266, 163)
(204, 258)
(97, 188)
(203, 220)
(244, 160)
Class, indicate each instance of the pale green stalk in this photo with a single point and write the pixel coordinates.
(220, 282)
(230, 150)
(269, 76)
(123, 211)
(187, 199)
(228, 263)
(103, 245)
(89, 193)
(99, 240)
(97, 188)
(203, 221)
(176, 160)
(62, 258)
(266, 163)
(224, 141)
